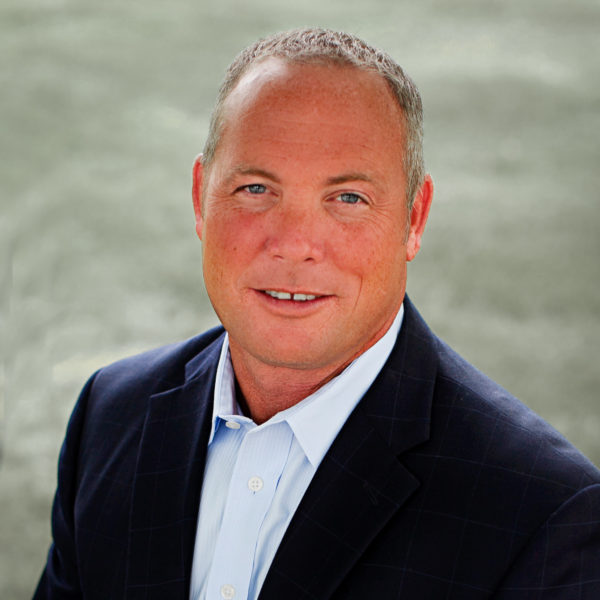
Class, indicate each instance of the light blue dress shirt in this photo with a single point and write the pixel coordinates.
(256, 475)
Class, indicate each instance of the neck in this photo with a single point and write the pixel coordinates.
(267, 390)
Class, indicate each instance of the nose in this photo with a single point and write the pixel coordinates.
(296, 234)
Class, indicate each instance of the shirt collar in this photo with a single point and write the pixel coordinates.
(318, 418)
(224, 402)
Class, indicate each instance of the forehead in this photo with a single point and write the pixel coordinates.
(311, 111)
(289, 76)
(315, 88)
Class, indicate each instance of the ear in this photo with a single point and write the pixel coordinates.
(418, 217)
(197, 174)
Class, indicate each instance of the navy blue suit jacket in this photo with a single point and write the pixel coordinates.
(439, 486)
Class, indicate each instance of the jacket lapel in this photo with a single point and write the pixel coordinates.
(361, 482)
(167, 483)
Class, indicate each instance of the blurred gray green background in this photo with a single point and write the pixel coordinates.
(105, 104)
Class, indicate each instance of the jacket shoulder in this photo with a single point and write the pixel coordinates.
(114, 402)
(160, 368)
(503, 431)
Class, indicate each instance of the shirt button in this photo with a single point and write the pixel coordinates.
(255, 484)
(227, 591)
(232, 425)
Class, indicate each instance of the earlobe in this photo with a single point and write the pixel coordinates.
(197, 175)
(418, 217)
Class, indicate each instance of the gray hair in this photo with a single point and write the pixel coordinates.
(316, 45)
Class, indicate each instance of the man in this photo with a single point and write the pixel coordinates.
(328, 445)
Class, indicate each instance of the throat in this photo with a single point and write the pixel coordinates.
(241, 400)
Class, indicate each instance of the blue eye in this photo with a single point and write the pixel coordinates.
(256, 188)
(349, 198)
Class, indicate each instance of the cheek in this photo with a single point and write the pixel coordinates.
(217, 256)
(221, 239)
(375, 257)
(228, 248)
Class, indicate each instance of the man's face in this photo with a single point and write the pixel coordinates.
(304, 215)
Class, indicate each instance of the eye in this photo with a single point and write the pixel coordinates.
(255, 188)
(349, 198)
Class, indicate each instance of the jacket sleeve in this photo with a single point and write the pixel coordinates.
(562, 560)
(60, 577)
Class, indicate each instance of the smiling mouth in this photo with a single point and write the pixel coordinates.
(291, 296)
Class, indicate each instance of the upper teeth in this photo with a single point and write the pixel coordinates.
(288, 296)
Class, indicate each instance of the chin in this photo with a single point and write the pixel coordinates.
(303, 358)
(291, 360)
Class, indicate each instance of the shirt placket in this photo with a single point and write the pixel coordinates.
(259, 464)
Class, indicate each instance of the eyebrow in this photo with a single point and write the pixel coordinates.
(247, 170)
(345, 177)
